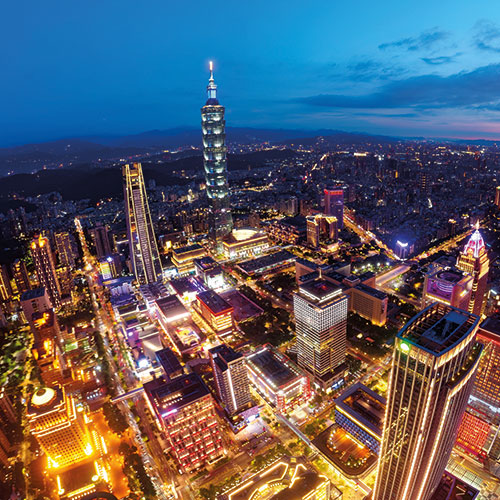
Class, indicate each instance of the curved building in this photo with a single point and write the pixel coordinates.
(213, 128)
(433, 370)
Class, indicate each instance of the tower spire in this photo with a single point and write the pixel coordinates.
(211, 88)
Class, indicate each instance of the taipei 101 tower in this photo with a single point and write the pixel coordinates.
(215, 163)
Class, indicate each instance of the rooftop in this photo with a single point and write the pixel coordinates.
(168, 361)
(33, 294)
(266, 261)
(438, 328)
(274, 367)
(214, 302)
(171, 307)
(225, 352)
(184, 250)
(371, 291)
(319, 290)
(364, 405)
(186, 285)
(206, 263)
(173, 395)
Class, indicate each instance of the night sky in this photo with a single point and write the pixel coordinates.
(412, 68)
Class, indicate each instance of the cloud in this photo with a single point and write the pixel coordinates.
(371, 69)
(438, 60)
(426, 40)
(480, 87)
(487, 36)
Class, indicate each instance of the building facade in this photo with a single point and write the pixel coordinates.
(433, 369)
(213, 128)
(144, 254)
(102, 240)
(474, 260)
(334, 204)
(65, 249)
(5, 288)
(21, 277)
(231, 379)
(58, 427)
(46, 269)
(186, 412)
(320, 310)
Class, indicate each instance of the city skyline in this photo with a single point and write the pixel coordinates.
(388, 70)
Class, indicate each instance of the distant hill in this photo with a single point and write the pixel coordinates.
(88, 181)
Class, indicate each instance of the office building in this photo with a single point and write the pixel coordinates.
(245, 242)
(103, 241)
(7, 413)
(231, 378)
(208, 271)
(368, 302)
(216, 312)
(21, 277)
(110, 267)
(334, 204)
(448, 286)
(360, 412)
(497, 196)
(183, 258)
(65, 247)
(35, 301)
(46, 269)
(321, 228)
(320, 310)
(487, 385)
(185, 410)
(474, 261)
(5, 288)
(213, 128)
(289, 230)
(277, 379)
(58, 427)
(169, 363)
(144, 254)
(433, 369)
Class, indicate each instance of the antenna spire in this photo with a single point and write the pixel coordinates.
(211, 66)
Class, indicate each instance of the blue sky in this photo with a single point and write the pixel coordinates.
(110, 67)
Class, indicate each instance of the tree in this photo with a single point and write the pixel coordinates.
(114, 418)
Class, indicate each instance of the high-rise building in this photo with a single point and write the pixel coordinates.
(144, 253)
(334, 204)
(58, 427)
(433, 369)
(5, 288)
(497, 196)
(102, 241)
(231, 379)
(65, 249)
(474, 261)
(313, 230)
(185, 410)
(487, 385)
(46, 269)
(216, 311)
(320, 309)
(21, 276)
(35, 301)
(213, 128)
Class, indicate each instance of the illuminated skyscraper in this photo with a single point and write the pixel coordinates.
(231, 379)
(474, 261)
(21, 276)
(58, 427)
(334, 204)
(320, 310)
(5, 288)
(46, 269)
(65, 249)
(144, 253)
(213, 128)
(497, 196)
(433, 369)
(102, 241)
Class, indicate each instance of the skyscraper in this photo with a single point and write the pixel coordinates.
(58, 427)
(65, 249)
(231, 379)
(334, 204)
(433, 369)
(102, 241)
(474, 261)
(497, 196)
(213, 128)
(46, 269)
(21, 276)
(5, 288)
(144, 253)
(320, 310)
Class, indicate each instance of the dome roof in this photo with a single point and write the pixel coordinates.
(43, 396)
